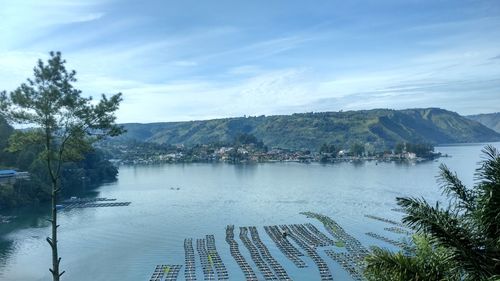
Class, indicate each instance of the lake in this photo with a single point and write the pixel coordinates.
(126, 243)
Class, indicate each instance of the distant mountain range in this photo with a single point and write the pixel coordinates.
(381, 127)
(490, 120)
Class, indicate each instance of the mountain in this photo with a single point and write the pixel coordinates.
(490, 120)
(381, 127)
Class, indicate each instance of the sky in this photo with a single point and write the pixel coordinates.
(191, 60)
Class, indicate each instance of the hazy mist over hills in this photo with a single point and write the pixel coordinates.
(490, 120)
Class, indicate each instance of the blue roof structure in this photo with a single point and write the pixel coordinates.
(7, 173)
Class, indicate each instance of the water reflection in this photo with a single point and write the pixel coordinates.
(125, 243)
(245, 169)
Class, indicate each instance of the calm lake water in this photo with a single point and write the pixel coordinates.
(126, 243)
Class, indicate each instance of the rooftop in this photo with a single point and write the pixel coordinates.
(7, 172)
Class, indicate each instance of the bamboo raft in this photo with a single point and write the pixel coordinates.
(189, 260)
(356, 251)
(236, 254)
(173, 272)
(347, 262)
(166, 273)
(264, 251)
(296, 235)
(289, 250)
(257, 259)
(320, 235)
(399, 210)
(312, 235)
(305, 240)
(87, 200)
(93, 205)
(398, 230)
(399, 244)
(205, 260)
(220, 268)
(385, 220)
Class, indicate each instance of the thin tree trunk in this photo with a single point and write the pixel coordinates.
(53, 240)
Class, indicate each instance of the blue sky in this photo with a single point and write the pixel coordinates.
(187, 60)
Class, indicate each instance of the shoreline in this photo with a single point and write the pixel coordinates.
(308, 161)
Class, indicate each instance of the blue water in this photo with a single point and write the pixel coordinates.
(126, 243)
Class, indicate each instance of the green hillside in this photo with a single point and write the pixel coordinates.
(381, 127)
(490, 120)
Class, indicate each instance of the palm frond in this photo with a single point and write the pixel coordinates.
(494, 278)
(489, 194)
(489, 171)
(453, 187)
(445, 229)
(462, 240)
(385, 265)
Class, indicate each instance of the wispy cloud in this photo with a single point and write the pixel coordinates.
(181, 63)
(24, 20)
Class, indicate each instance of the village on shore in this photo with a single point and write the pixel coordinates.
(256, 152)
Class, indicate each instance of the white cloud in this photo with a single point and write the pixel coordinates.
(224, 69)
(86, 17)
(24, 20)
(199, 99)
(15, 67)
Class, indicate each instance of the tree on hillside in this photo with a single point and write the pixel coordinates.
(328, 148)
(63, 121)
(420, 149)
(357, 149)
(5, 131)
(243, 139)
(465, 234)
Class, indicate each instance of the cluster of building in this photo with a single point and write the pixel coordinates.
(206, 153)
(250, 153)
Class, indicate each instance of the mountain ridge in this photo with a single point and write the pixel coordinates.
(490, 120)
(382, 128)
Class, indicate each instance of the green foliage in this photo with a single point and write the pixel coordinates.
(5, 131)
(26, 153)
(76, 177)
(357, 149)
(65, 123)
(328, 148)
(73, 124)
(466, 232)
(382, 128)
(243, 138)
(420, 149)
(426, 262)
(23, 192)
